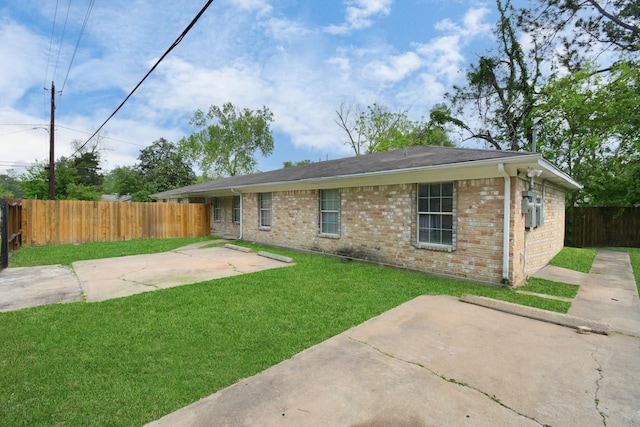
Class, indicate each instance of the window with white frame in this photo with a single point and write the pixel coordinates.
(217, 209)
(435, 214)
(236, 209)
(330, 212)
(265, 209)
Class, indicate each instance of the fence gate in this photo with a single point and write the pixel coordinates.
(10, 228)
(4, 230)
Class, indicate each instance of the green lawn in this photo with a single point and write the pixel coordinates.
(132, 360)
(634, 255)
(549, 287)
(66, 254)
(577, 259)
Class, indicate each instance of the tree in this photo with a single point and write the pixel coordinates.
(35, 181)
(123, 180)
(225, 140)
(380, 129)
(584, 28)
(9, 185)
(160, 168)
(496, 103)
(590, 127)
(290, 164)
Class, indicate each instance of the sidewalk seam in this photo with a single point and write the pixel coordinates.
(449, 380)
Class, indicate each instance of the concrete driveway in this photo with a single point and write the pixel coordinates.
(437, 361)
(429, 362)
(98, 280)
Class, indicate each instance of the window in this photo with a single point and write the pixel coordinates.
(265, 209)
(330, 212)
(435, 213)
(236, 209)
(217, 209)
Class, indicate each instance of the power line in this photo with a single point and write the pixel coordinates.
(106, 137)
(64, 30)
(84, 25)
(46, 73)
(45, 126)
(175, 43)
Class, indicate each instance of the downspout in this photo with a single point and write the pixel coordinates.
(240, 194)
(507, 225)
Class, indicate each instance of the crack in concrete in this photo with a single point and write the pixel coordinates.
(145, 267)
(450, 380)
(595, 397)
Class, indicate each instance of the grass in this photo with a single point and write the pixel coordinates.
(577, 259)
(549, 287)
(131, 360)
(634, 256)
(66, 254)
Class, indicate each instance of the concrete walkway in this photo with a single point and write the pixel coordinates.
(439, 361)
(102, 279)
(607, 294)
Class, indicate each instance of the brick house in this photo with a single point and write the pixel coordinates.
(439, 210)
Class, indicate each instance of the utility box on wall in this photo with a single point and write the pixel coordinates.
(533, 210)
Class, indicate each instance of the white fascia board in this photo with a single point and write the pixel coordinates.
(558, 175)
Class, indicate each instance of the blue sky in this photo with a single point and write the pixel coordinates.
(301, 59)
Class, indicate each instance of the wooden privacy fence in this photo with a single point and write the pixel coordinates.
(590, 227)
(57, 222)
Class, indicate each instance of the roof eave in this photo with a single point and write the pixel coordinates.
(465, 170)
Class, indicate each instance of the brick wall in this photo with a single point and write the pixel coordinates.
(225, 226)
(379, 224)
(533, 249)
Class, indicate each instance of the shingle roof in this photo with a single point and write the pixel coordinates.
(411, 157)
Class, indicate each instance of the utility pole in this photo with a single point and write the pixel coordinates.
(52, 161)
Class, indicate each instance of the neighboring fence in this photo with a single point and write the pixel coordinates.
(590, 227)
(57, 222)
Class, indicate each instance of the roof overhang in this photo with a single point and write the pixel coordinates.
(448, 172)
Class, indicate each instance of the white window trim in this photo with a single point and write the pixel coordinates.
(437, 246)
(261, 210)
(217, 209)
(238, 209)
(322, 211)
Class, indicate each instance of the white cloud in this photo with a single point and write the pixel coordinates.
(359, 14)
(25, 69)
(262, 6)
(249, 52)
(286, 29)
(472, 23)
(396, 68)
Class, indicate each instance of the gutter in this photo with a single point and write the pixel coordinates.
(507, 225)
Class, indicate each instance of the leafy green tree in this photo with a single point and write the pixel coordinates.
(590, 127)
(290, 164)
(580, 30)
(160, 167)
(10, 185)
(87, 166)
(76, 191)
(69, 184)
(225, 139)
(435, 131)
(35, 181)
(379, 129)
(496, 103)
(123, 180)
